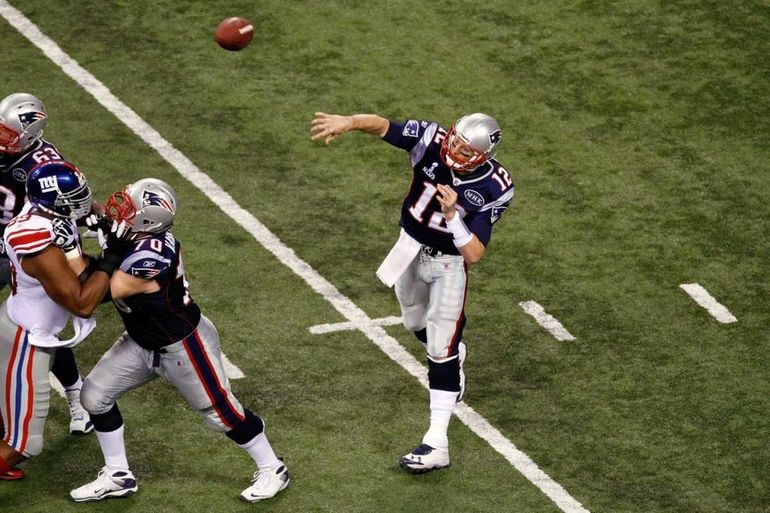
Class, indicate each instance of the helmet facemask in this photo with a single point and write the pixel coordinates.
(74, 204)
(119, 207)
(459, 155)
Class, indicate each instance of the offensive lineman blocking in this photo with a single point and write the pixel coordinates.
(458, 192)
(166, 335)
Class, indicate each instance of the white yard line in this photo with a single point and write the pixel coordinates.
(707, 301)
(548, 322)
(284, 254)
(231, 370)
(56, 385)
(319, 329)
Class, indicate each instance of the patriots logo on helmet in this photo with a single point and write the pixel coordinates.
(494, 137)
(150, 198)
(27, 118)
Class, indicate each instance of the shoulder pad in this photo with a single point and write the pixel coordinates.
(148, 259)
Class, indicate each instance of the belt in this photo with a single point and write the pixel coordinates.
(156, 356)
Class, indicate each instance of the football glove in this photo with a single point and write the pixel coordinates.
(118, 240)
(66, 237)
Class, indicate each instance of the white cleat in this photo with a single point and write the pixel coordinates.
(108, 484)
(424, 458)
(267, 482)
(80, 421)
(462, 351)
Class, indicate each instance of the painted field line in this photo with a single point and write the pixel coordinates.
(548, 322)
(284, 254)
(707, 301)
(56, 385)
(319, 329)
(231, 370)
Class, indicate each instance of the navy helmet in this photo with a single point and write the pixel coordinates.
(59, 188)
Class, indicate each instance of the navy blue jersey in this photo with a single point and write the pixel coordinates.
(13, 177)
(168, 315)
(482, 195)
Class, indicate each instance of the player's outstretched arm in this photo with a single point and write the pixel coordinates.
(60, 282)
(330, 126)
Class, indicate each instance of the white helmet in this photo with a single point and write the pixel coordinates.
(148, 205)
(479, 135)
(22, 120)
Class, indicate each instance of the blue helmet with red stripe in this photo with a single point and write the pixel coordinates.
(59, 188)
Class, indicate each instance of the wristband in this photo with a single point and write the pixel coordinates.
(73, 253)
(462, 235)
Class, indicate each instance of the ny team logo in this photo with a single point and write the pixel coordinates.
(48, 184)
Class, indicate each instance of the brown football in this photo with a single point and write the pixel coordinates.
(234, 33)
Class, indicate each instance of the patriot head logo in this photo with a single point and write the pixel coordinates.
(150, 198)
(494, 137)
(27, 118)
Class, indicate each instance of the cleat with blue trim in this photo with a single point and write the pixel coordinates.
(80, 421)
(424, 458)
(108, 484)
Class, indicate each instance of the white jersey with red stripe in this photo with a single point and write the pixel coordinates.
(29, 305)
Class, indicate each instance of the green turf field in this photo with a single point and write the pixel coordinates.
(637, 135)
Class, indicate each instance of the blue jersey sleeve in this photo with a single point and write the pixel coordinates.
(480, 221)
(406, 134)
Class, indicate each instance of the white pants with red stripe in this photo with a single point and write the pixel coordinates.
(431, 293)
(193, 365)
(26, 391)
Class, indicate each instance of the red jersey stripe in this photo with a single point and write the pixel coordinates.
(17, 241)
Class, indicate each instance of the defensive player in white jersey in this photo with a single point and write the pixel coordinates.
(23, 119)
(166, 335)
(45, 293)
(458, 192)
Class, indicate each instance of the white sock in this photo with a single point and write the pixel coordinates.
(260, 451)
(74, 387)
(113, 449)
(442, 404)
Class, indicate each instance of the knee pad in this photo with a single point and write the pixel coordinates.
(93, 399)
(247, 430)
(444, 375)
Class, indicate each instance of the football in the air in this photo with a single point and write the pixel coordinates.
(234, 33)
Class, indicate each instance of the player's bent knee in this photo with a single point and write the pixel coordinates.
(93, 399)
(213, 420)
(413, 322)
(444, 375)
